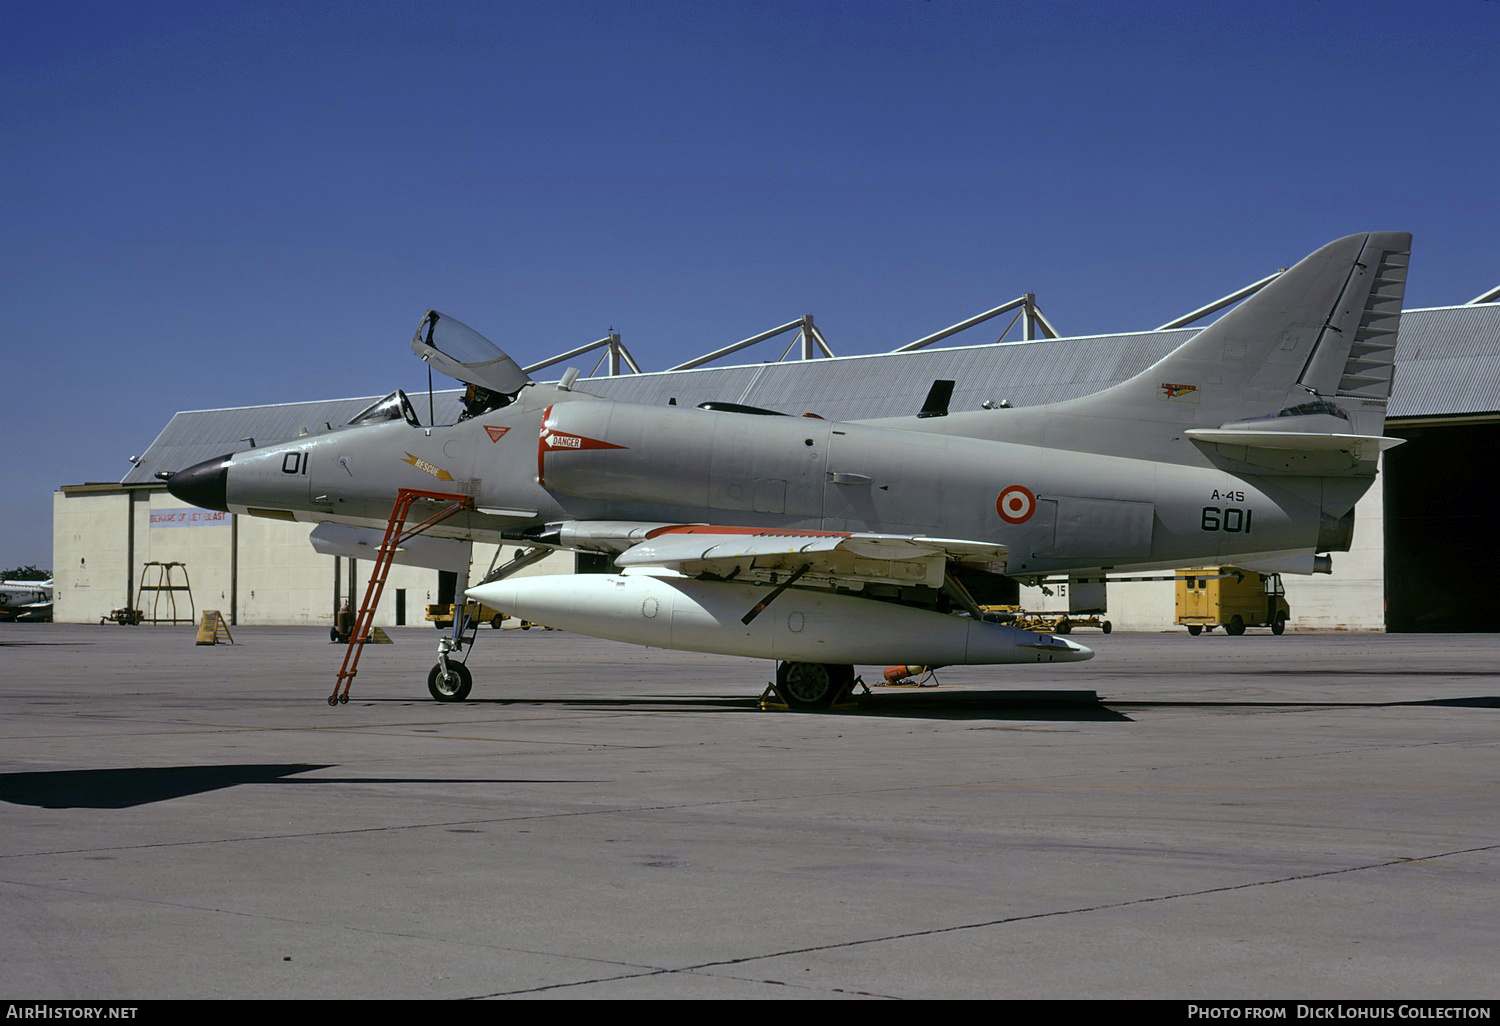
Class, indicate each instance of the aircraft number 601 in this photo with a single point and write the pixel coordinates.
(1231, 518)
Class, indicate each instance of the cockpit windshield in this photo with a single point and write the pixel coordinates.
(462, 353)
(393, 407)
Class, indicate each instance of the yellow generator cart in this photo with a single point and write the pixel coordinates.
(441, 616)
(1228, 597)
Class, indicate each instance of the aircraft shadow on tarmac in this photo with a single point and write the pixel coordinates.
(928, 704)
(914, 703)
(127, 788)
(1471, 702)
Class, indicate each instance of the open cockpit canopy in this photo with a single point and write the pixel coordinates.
(462, 353)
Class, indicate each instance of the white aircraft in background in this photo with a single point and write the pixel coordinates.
(26, 600)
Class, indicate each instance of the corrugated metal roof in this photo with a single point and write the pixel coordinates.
(892, 384)
(1447, 363)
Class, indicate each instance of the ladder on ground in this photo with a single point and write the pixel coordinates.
(396, 535)
(165, 582)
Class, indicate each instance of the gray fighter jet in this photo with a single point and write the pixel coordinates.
(823, 544)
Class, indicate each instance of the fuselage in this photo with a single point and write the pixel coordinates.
(557, 456)
(1248, 444)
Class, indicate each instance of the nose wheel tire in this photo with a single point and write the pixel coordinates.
(452, 686)
(813, 685)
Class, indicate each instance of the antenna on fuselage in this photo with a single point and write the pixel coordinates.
(938, 398)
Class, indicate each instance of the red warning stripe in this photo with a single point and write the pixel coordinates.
(770, 532)
(550, 440)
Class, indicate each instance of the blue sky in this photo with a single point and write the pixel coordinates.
(210, 204)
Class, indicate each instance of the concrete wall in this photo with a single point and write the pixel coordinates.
(91, 555)
(204, 552)
(1353, 596)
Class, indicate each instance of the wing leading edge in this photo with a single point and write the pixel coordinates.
(831, 557)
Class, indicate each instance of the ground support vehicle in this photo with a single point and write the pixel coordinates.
(1232, 598)
(441, 616)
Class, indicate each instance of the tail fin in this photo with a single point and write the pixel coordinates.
(1302, 364)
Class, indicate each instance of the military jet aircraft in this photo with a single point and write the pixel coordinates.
(824, 544)
(26, 600)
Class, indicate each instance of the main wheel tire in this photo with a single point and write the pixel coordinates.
(813, 685)
(1235, 627)
(452, 687)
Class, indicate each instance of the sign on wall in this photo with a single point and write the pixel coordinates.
(189, 518)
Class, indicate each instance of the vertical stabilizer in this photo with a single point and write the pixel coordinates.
(1311, 353)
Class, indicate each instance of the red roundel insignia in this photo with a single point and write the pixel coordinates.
(1016, 504)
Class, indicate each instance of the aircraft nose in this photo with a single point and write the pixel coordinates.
(203, 484)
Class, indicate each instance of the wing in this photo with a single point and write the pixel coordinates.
(844, 558)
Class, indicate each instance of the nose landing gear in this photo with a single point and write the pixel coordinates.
(449, 682)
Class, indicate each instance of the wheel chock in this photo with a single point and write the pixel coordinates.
(771, 700)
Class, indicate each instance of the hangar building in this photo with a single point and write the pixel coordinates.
(1423, 537)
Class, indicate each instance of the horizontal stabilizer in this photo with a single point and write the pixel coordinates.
(1361, 447)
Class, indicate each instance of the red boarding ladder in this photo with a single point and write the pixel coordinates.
(396, 534)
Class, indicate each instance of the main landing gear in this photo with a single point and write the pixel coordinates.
(813, 685)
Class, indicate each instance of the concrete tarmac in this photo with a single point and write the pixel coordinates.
(1310, 816)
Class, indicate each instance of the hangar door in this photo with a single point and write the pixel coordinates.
(1441, 497)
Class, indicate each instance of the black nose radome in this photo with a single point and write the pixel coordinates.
(203, 484)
